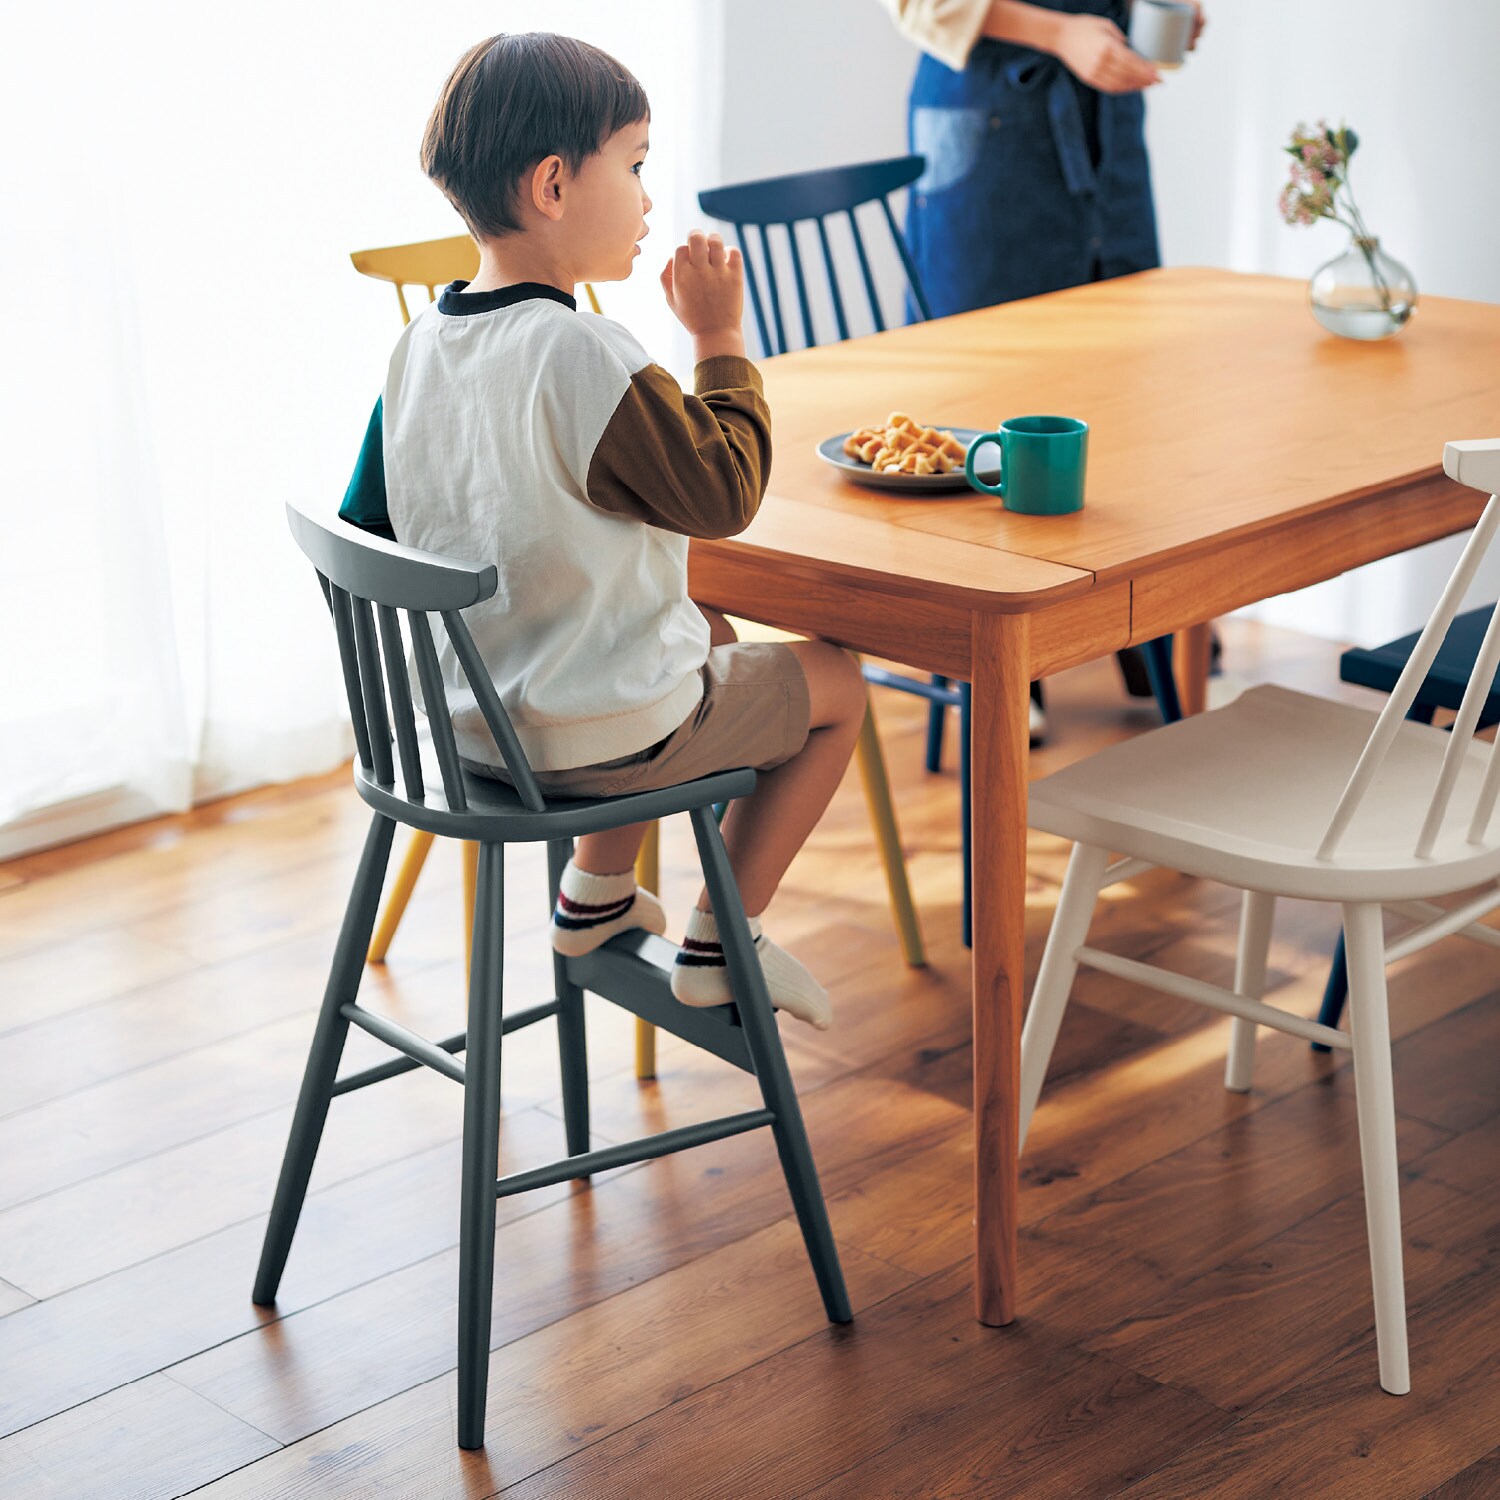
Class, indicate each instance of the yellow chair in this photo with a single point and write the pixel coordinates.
(434, 263)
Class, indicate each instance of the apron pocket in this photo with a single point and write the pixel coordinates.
(951, 141)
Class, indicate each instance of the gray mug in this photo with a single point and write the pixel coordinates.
(1160, 30)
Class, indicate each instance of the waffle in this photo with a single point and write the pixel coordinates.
(901, 446)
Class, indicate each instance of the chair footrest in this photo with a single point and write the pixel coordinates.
(882, 677)
(633, 971)
(630, 1152)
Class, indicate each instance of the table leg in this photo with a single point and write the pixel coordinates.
(1191, 653)
(1001, 693)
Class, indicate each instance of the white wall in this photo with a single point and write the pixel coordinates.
(813, 85)
(1418, 82)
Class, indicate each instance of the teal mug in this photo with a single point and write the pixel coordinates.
(1042, 461)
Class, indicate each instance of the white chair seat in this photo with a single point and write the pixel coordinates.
(1244, 794)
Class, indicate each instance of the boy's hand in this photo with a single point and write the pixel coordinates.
(705, 287)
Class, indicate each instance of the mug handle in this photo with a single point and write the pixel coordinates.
(972, 477)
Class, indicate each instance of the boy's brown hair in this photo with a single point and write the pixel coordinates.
(510, 102)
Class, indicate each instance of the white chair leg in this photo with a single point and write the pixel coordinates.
(1054, 980)
(1256, 912)
(1370, 1038)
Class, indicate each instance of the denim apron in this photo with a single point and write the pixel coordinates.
(1034, 181)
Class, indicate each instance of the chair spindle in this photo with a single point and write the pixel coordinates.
(338, 602)
(1412, 677)
(833, 280)
(483, 688)
(402, 713)
(871, 295)
(809, 337)
(370, 677)
(435, 702)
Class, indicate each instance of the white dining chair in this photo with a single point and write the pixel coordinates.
(1284, 794)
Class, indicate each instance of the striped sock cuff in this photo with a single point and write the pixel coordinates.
(586, 900)
(701, 948)
(579, 916)
(697, 954)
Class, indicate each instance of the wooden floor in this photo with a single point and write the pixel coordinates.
(1196, 1295)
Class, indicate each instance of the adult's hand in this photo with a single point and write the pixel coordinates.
(1198, 23)
(1095, 50)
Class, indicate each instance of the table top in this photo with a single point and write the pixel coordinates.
(1217, 409)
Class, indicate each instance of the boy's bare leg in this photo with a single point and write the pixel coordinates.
(764, 831)
(611, 852)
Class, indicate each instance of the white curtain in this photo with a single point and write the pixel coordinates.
(187, 346)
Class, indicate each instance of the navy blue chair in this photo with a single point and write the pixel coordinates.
(1379, 668)
(784, 203)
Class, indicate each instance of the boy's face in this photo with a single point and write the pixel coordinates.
(607, 207)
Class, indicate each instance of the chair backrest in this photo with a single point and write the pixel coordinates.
(788, 201)
(365, 579)
(427, 263)
(1476, 464)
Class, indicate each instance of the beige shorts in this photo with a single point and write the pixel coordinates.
(754, 712)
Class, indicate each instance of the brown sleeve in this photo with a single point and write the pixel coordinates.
(697, 464)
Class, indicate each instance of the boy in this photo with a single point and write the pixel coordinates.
(514, 430)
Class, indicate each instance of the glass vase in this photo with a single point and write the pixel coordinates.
(1363, 293)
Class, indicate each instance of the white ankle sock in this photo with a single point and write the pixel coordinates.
(591, 909)
(701, 977)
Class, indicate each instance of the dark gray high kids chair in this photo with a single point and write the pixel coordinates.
(365, 578)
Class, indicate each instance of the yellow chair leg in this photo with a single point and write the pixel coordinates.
(395, 906)
(877, 785)
(648, 877)
(471, 885)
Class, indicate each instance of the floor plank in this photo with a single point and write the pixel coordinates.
(800, 1417)
(146, 1441)
(571, 1382)
(1338, 1436)
(1195, 1280)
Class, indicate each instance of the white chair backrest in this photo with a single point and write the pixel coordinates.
(1476, 464)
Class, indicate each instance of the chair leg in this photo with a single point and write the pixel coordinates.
(1257, 910)
(395, 908)
(877, 788)
(1158, 658)
(1370, 1039)
(476, 1228)
(471, 882)
(1054, 980)
(648, 877)
(323, 1060)
(936, 719)
(748, 984)
(965, 803)
(572, 1038)
(1335, 990)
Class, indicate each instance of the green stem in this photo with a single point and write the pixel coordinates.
(1365, 241)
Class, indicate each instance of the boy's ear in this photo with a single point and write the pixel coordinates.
(547, 185)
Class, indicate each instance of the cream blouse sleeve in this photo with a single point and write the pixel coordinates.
(947, 29)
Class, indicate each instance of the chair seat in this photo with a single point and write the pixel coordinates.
(1447, 678)
(496, 814)
(1245, 793)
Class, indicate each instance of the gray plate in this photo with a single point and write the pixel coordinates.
(831, 451)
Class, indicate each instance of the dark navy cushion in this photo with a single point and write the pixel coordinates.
(1380, 666)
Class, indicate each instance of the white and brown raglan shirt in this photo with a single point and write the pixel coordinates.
(515, 430)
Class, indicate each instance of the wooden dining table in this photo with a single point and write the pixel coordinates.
(1236, 451)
